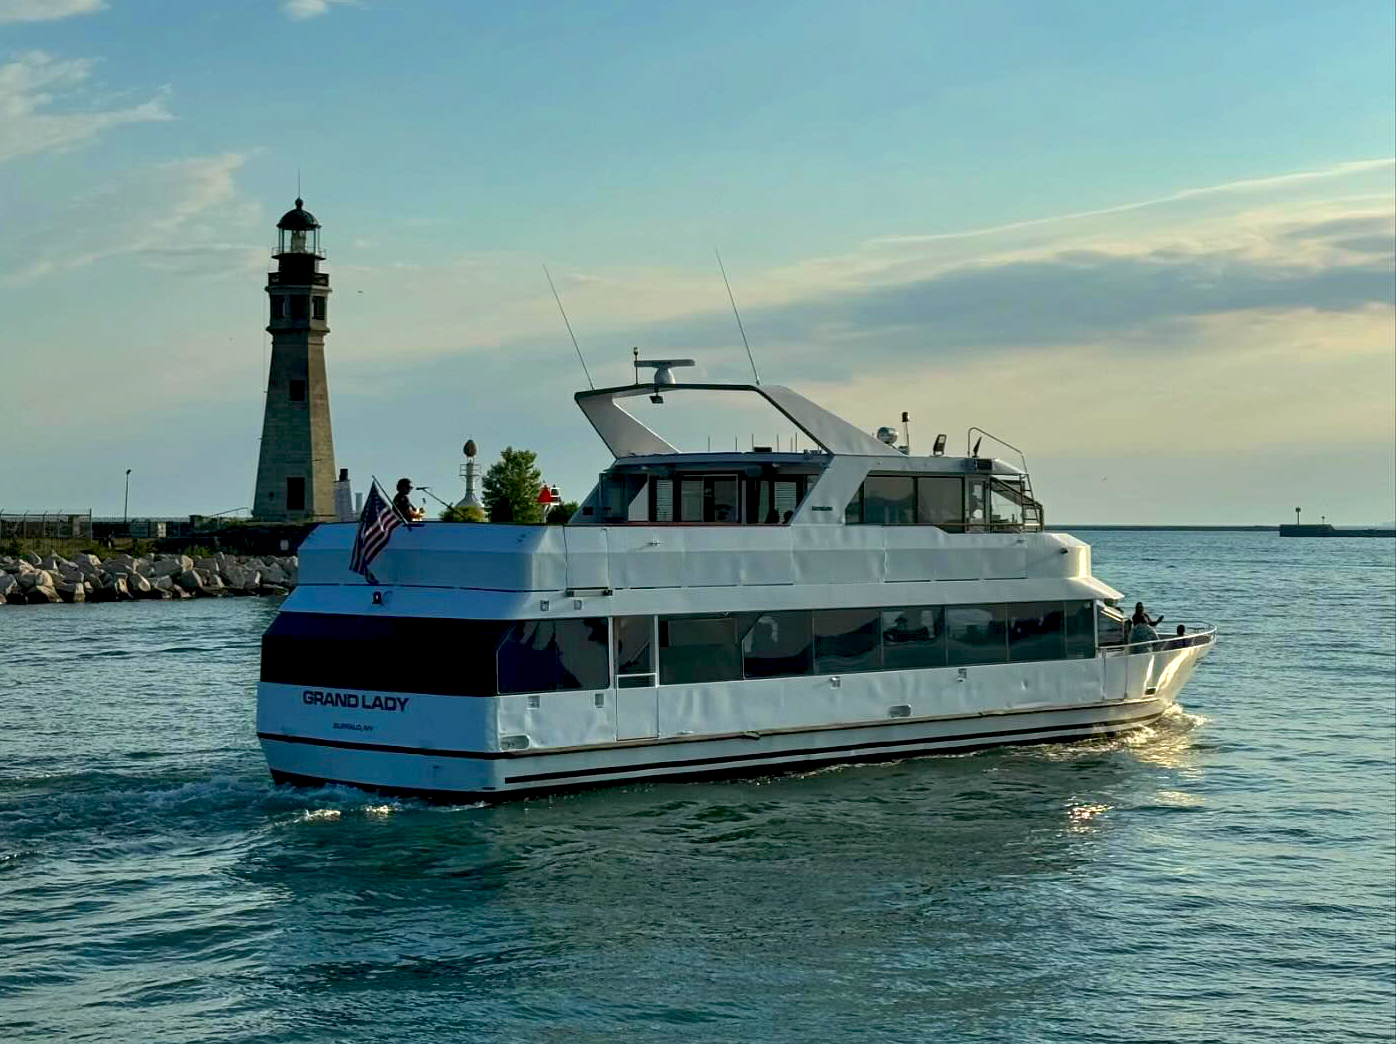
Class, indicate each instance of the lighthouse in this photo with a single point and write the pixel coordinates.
(295, 468)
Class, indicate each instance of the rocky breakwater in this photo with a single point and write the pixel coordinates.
(31, 579)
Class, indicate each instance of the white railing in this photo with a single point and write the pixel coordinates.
(1163, 643)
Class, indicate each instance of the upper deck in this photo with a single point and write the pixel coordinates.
(852, 478)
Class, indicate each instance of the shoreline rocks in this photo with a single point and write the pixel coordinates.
(31, 579)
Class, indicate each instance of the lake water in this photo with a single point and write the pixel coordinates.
(1226, 876)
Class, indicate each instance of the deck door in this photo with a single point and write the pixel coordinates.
(637, 691)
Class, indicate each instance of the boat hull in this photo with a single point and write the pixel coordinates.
(457, 749)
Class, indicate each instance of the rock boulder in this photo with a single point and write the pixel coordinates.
(42, 594)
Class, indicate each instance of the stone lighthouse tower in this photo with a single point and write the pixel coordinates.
(295, 471)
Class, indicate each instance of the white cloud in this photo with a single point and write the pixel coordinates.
(47, 10)
(300, 10)
(185, 216)
(33, 86)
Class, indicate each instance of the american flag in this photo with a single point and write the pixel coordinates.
(376, 525)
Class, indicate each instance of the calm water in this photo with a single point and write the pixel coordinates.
(1225, 877)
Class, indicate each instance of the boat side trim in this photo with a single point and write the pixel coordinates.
(781, 762)
(498, 755)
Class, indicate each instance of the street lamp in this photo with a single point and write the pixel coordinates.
(126, 505)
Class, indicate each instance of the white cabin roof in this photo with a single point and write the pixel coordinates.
(625, 436)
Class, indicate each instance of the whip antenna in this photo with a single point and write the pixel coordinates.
(740, 328)
(590, 383)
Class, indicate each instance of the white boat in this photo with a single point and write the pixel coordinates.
(711, 613)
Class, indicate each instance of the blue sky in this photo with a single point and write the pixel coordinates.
(1150, 243)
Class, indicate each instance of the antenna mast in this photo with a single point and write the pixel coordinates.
(591, 384)
(740, 328)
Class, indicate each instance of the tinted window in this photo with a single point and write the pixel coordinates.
(527, 658)
(582, 654)
(913, 637)
(698, 649)
(975, 634)
(777, 645)
(1006, 503)
(634, 652)
(317, 305)
(721, 503)
(553, 655)
(1035, 631)
(847, 640)
(298, 306)
(940, 501)
(889, 500)
(976, 504)
(382, 653)
(1080, 630)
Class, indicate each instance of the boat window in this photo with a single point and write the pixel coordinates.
(976, 504)
(691, 500)
(698, 649)
(847, 640)
(913, 637)
(1035, 631)
(889, 500)
(357, 653)
(778, 645)
(626, 499)
(634, 651)
(1110, 624)
(663, 500)
(553, 655)
(720, 501)
(1080, 630)
(583, 659)
(771, 501)
(1006, 504)
(940, 501)
(975, 634)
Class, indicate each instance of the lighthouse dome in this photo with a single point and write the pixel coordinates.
(298, 220)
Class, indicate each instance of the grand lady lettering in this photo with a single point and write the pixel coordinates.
(321, 698)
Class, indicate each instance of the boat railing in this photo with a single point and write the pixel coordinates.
(1205, 635)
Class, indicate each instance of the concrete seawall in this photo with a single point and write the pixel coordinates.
(32, 579)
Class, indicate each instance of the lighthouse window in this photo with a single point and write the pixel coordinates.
(317, 307)
(298, 307)
(295, 494)
(297, 390)
(278, 306)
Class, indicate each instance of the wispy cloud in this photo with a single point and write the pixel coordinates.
(185, 216)
(300, 10)
(47, 10)
(34, 117)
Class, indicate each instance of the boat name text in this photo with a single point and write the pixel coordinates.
(323, 698)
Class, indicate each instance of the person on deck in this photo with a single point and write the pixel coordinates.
(1141, 617)
(402, 505)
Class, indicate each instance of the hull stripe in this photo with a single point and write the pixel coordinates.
(574, 781)
(493, 755)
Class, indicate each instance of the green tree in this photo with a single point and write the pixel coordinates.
(462, 514)
(558, 514)
(511, 487)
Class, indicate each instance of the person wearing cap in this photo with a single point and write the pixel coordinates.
(402, 505)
